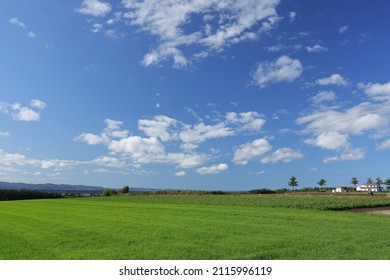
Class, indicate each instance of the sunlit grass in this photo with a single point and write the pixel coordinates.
(190, 227)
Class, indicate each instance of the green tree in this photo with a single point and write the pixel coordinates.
(109, 192)
(379, 182)
(369, 180)
(354, 182)
(125, 189)
(387, 183)
(321, 183)
(293, 182)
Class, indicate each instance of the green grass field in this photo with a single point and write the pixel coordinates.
(194, 227)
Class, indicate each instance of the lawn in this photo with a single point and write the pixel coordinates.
(193, 227)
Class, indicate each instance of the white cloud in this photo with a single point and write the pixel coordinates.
(25, 114)
(323, 96)
(343, 29)
(141, 150)
(161, 127)
(15, 21)
(347, 155)
(7, 159)
(91, 139)
(248, 121)
(202, 132)
(284, 69)
(96, 27)
(284, 155)
(38, 104)
(384, 145)
(94, 8)
(31, 35)
(316, 49)
(335, 79)
(332, 140)
(224, 23)
(355, 120)
(292, 15)
(214, 169)
(4, 134)
(251, 151)
(378, 92)
(109, 162)
(180, 174)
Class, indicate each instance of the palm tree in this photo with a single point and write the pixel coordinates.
(321, 183)
(387, 183)
(379, 183)
(354, 182)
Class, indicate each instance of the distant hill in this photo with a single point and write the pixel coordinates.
(64, 188)
(61, 188)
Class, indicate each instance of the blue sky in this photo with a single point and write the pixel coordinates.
(230, 95)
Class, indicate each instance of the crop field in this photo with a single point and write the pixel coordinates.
(194, 227)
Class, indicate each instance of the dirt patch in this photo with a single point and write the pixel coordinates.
(373, 210)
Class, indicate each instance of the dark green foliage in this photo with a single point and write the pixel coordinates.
(262, 191)
(109, 192)
(6, 194)
(125, 190)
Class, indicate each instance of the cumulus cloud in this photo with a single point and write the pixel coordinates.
(323, 96)
(378, 92)
(335, 79)
(332, 140)
(284, 69)
(8, 159)
(251, 151)
(347, 155)
(162, 127)
(23, 113)
(248, 121)
(316, 49)
(163, 130)
(292, 15)
(36, 103)
(94, 8)
(31, 35)
(284, 155)
(214, 169)
(180, 174)
(355, 120)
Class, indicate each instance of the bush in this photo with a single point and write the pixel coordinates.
(109, 192)
(262, 191)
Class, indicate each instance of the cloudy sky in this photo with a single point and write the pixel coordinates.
(194, 94)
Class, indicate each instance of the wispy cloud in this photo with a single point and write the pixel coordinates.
(222, 24)
(316, 49)
(15, 21)
(214, 169)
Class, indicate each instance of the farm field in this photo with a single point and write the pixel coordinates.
(194, 227)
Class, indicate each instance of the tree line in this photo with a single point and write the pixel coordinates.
(7, 194)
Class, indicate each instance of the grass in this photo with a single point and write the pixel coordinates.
(193, 227)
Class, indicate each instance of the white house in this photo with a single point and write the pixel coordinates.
(367, 187)
(341, 190)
